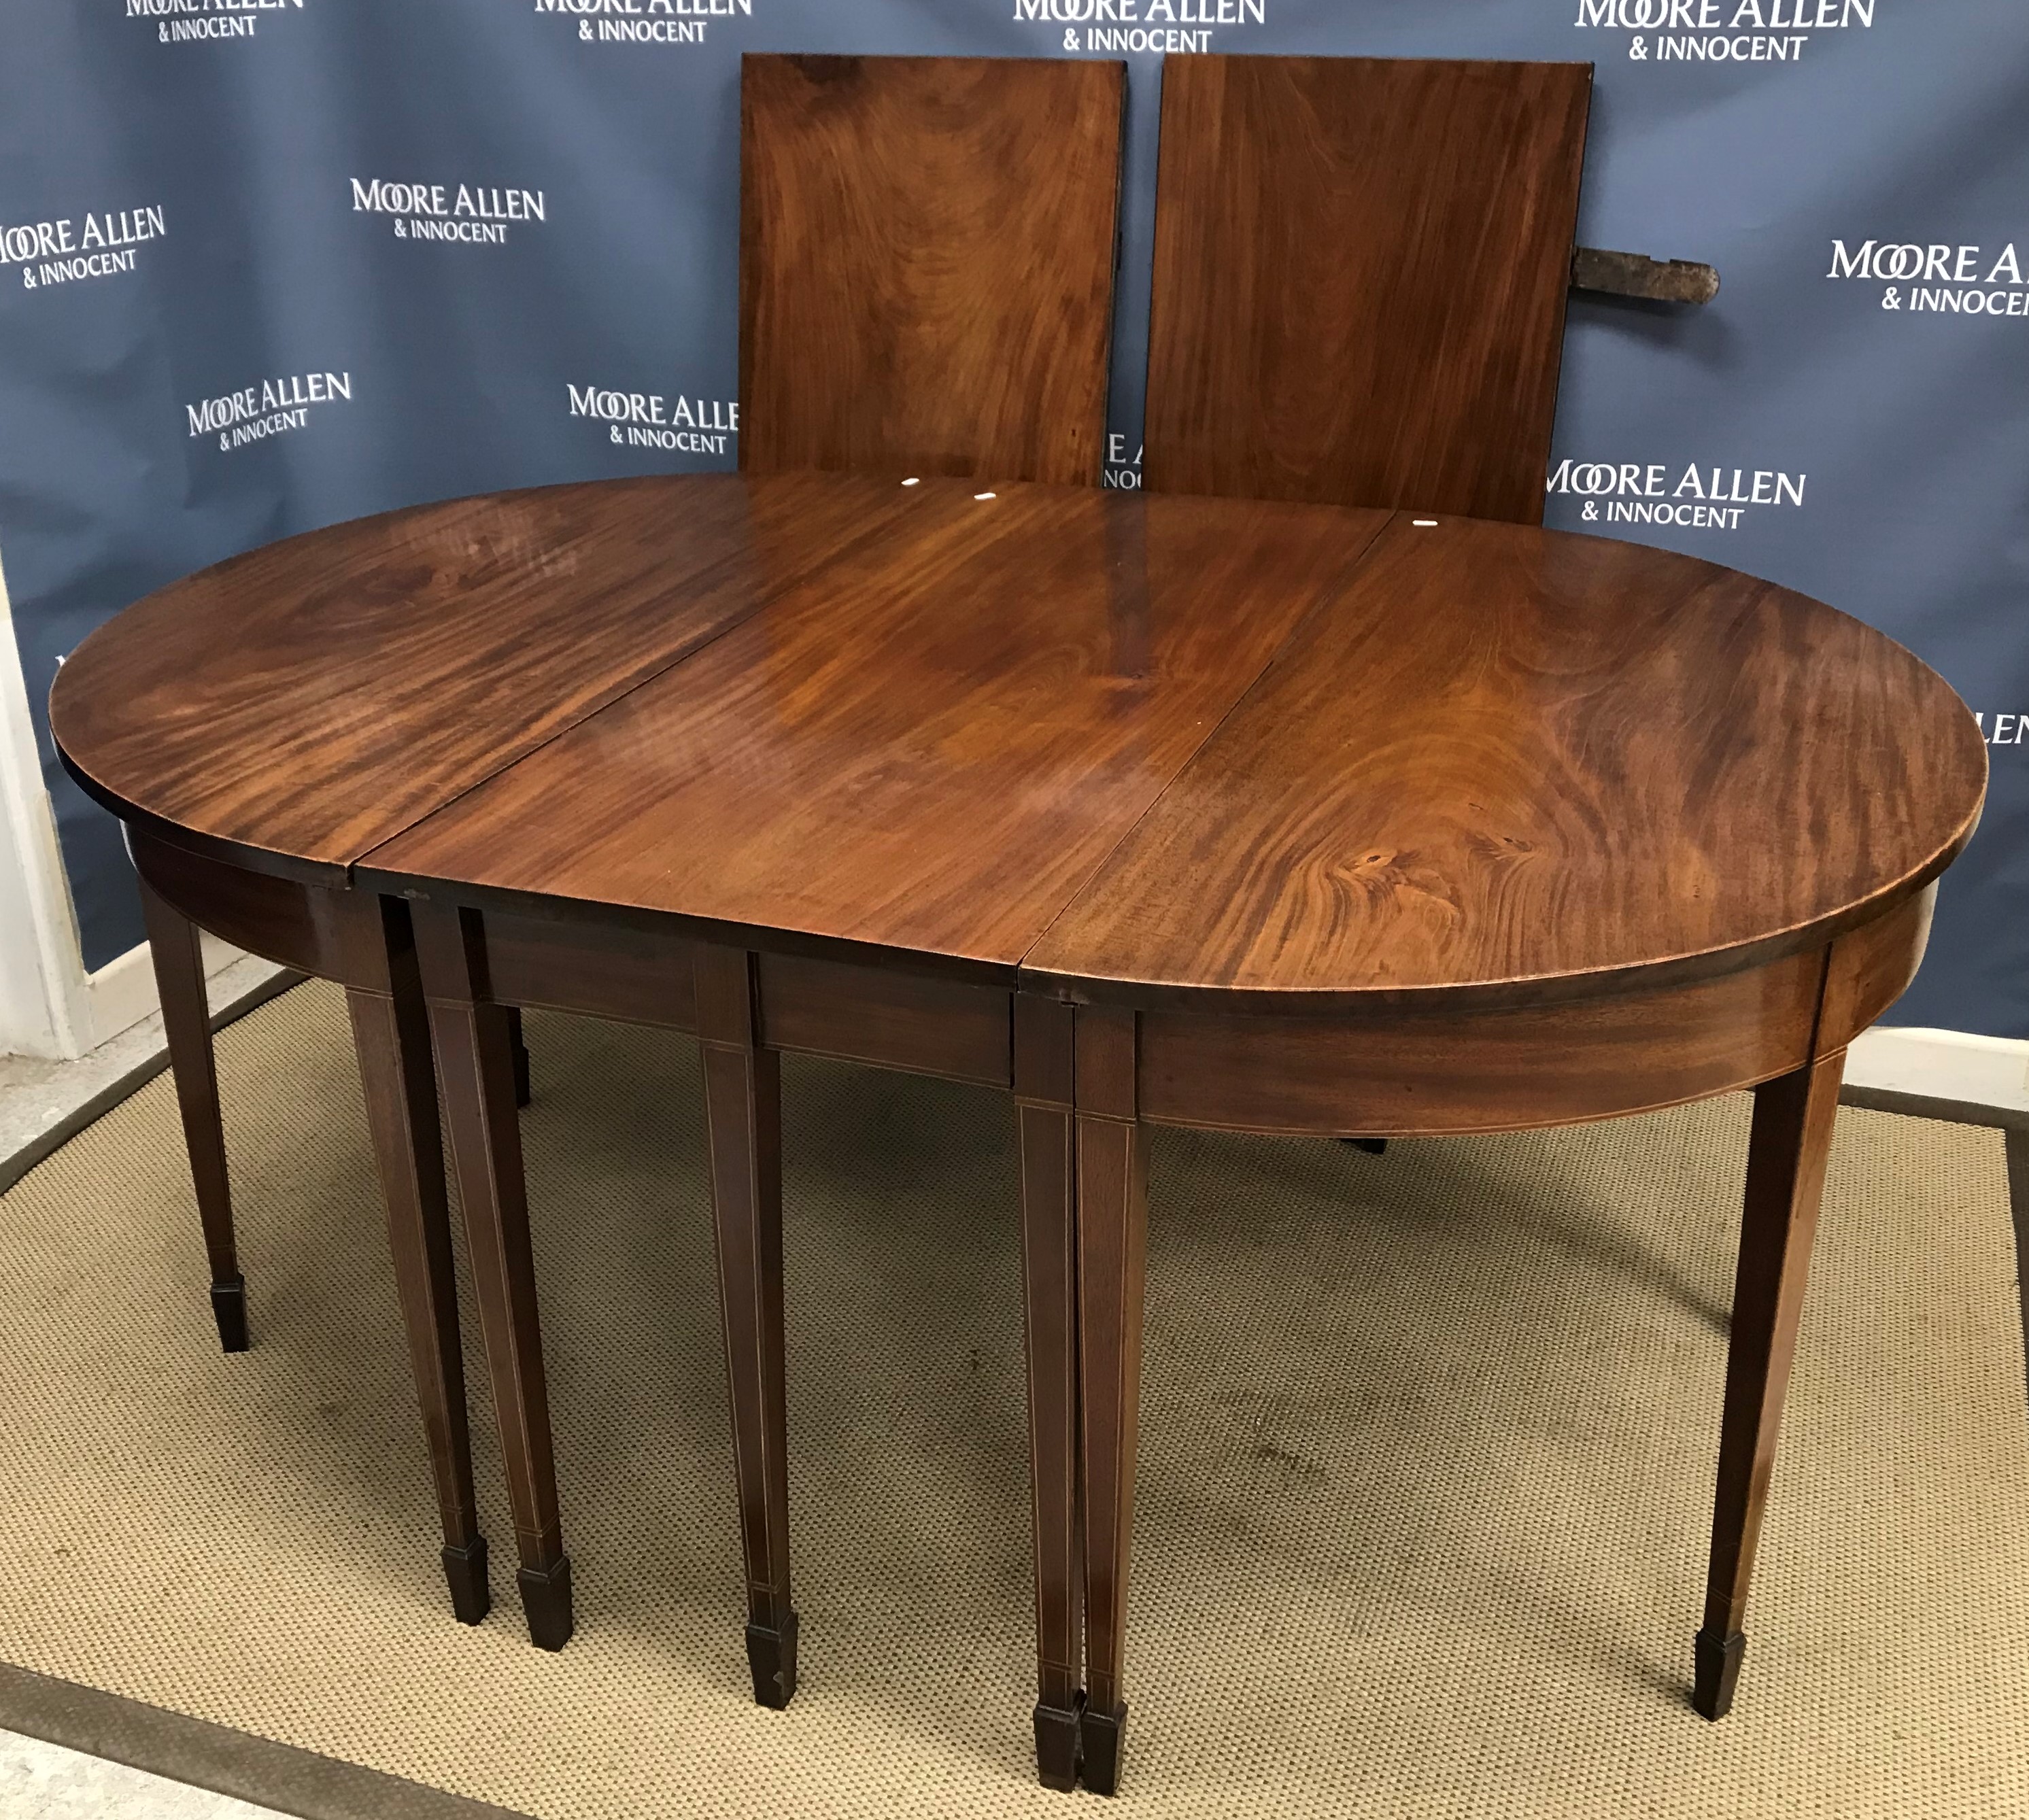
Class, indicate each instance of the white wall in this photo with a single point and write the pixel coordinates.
(40, 966)
(49, 1005)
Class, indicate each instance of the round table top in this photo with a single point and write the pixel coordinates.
(1122, 745)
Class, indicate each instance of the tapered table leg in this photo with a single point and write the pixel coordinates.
(743, 1087)
(1044, 1129)
(475, 1060)
(178, 962)
(1791, 1142)
(1112, 1223)
(391, 1032)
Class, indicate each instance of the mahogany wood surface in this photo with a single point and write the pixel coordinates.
(1872, 967)
(634, 976)
(391, 1031)
(364, 944)
(926, 749)
(926, 264)
(743, 1092)
(1789, 1144)
(1112, 1218)
(300, 703)
(1788, 1147)
(1361, 266)
(475, 1061)
(1045, 1136)
(1228, 813)
(179, 963)
(283, 920)
(1401, 1071)
(1507, 765)
(922, 1026)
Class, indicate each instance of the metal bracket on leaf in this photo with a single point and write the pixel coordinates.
(1635, 275)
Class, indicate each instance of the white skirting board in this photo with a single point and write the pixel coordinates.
(1946, 1064)
(122, 993)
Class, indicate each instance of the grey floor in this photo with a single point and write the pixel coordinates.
(40, 1781)
(41, 1104)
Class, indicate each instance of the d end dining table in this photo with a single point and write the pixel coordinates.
(1147, 809)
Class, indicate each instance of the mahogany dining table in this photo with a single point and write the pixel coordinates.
(1147, 809)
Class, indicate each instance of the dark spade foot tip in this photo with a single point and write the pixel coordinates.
(1057, 1745)
(465, 1573)
(1718, 1658)
(546, 1602)
(228, 1309)
(1100, 1736)
(771, 1655)
(1373, 1146)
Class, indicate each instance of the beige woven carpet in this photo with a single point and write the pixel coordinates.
(1428, 1452)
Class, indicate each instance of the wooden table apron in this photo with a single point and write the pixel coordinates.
(1091, 1060)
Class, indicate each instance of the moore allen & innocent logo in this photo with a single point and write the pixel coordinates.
(1723, 31)
(646, 21)
(1702, 498)
(1120, 26)
(179, 22)
(649, 420)
(271, 408)
(61, 252)
(477, 214)
(1939, 279)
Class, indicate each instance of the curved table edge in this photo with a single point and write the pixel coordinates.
(270, 861)
(1539, 989)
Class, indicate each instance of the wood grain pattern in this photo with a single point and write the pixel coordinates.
(1788, 1148)
(178, 965)
(1045, 1144)
(921, 1025)
(1361, 266)
(1523, 828)
(743, 1093)
(926, 259)
(924, 751)
(475, 1064)
(1872, 967)
(280, 919)
(1112, 1146)
(1506, 764)
(303, 701)
(1393, 1070)
(391, 1032)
